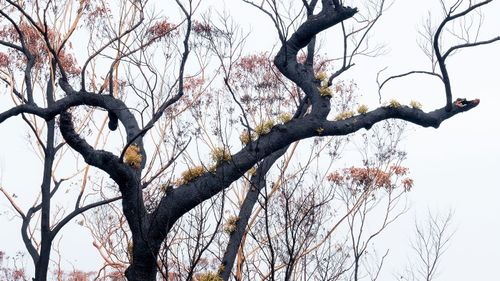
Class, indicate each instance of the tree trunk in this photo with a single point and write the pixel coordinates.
(143, 266)
(257, 182)
(141, 272)
(42, 264)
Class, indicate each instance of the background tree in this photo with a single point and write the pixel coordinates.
(155, 100)
(431, 241)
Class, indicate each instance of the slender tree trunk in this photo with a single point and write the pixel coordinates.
(257, 182)
(356, 268)
(289, 269)
(42, 264)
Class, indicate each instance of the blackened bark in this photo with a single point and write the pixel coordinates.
(113, 121)
(186, 197)
(286, 58)
(42, 264)
(35, 256)
(145, 246)
(441, 59)
(143, 265)
(257, 182)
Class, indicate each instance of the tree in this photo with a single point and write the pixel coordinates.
(132, 49)
(430, 243)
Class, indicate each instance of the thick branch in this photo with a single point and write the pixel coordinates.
(124, 175)
(286, 58)
(74, 98)
(184, 198)
(104, 160)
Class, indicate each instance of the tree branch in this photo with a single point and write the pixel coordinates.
(182, 199)
(467, 45)
(442, 58)
(286, 58)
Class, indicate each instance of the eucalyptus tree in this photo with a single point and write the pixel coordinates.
(145, 70)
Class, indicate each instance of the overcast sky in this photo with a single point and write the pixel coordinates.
(455, 167)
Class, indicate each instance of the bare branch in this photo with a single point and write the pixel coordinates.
(468, 45)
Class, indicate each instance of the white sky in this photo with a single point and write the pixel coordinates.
(455, 167)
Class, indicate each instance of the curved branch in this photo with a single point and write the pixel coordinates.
(74, 98)
(104, 160)
(29, 57)
(126, 177)
(10, 45)
(81, 210)
(23, 108)
(286, 58)
(409, 73)
(274, 18)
